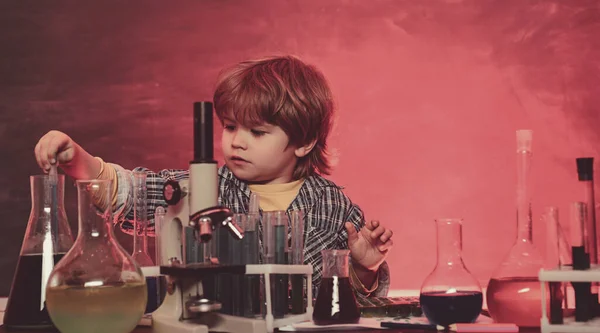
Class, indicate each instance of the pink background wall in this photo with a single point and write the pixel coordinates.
(429, 94)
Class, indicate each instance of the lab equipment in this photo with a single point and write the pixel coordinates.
(194, 219)
(251, 286)
(450, 294)
(47, 238)
(585, 174)
(275, 243)
(97, 287)
(513, 293)
(140, 220)
(297, 258)
(556, 258)
(336, 303)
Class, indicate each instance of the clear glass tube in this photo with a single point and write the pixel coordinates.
(140, 220)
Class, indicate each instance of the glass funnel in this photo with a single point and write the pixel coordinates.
(97, 286)
(336, 303)
(514, 292)
(47, 238)
(450, 294)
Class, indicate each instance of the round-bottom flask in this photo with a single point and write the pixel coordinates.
(450, 294)
(96, 287)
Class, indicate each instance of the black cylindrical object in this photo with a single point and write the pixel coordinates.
(203, 132)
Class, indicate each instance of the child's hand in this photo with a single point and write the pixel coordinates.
(56, 146)
(369, 246)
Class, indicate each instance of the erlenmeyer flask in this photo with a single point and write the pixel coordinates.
(47, 238)
(450, 294)
(97, 286)
(336, 303)
(514, 292)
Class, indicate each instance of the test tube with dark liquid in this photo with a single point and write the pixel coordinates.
(236, 258)
(581, 261)
(585, 174)
(275, 252)
(297, 258)
(280, 295)
(251, 285)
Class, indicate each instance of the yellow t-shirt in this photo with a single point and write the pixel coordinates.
(276, 196)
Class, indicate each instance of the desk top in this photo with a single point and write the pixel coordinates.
(140, 329)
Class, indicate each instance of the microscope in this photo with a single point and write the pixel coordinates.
(191, 218)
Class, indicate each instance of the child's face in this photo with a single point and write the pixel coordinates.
(259, 154)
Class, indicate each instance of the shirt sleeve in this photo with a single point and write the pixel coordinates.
(123, 209)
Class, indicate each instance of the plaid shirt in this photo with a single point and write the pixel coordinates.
(326, 208)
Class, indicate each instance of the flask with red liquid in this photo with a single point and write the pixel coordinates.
(336, 303)
(514, 291)
(450, 294)
(47, 238)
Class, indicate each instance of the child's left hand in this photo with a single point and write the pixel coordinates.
(369, 246)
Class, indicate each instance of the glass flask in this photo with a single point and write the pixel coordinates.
(450, 294)
(336, 303)
(47, 238)
(97, 286)
(514, 292)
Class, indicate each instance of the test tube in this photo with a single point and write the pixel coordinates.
(552, 262)
(297, 258)
(250, 250)
(581, 261)
(281, 258)
(223, 281)
(159, 219)
(276, 251)
(585, 174)
(236, 258)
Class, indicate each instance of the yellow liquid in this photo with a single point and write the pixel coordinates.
(104, 309)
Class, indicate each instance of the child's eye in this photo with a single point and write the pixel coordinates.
(229, 127)
(258, 132)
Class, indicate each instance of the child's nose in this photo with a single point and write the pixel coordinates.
(238, 140)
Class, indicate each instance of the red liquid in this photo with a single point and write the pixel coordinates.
(336, 303)
(444, 309)
(23, 307)
(515, 300)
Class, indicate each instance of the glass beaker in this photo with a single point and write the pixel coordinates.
(97, 286)
(450, 294)
(514, 291)
(336, 302)
(47, 238)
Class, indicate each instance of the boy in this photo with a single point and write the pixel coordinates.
(277, 114)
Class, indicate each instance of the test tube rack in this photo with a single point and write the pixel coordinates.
(168, 321)
(567, 274)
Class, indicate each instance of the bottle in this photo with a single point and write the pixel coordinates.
(514, 291)
(336, 302)
(47, 238)
(97, 286)
(450, 294)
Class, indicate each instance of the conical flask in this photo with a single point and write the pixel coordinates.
(336, 302)
(514, 292)
(450, 294)
(97, 286)
(47, 238)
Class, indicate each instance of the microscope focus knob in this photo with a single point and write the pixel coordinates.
(172, 192)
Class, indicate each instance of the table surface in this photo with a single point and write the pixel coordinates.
(149, 330)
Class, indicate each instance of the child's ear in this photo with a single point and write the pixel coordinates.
(304, 150)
